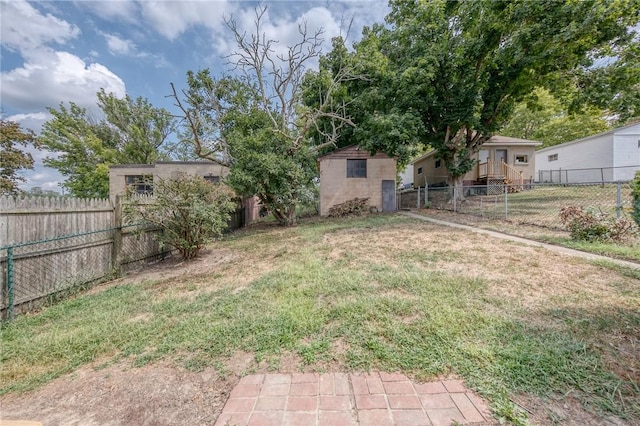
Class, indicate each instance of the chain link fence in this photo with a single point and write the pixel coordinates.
(35, 272)
(535, 204)
(593, 174)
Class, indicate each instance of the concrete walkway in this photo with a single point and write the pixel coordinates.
(337, 399)
(551, 247)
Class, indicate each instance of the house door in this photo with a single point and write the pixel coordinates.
(501, 156)
(388, 195)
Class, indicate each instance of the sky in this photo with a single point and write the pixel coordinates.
(61, 51)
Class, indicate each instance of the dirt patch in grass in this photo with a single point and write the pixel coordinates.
(120, 395)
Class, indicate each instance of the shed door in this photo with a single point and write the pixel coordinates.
(388, 195)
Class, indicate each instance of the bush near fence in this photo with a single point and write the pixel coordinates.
(49, 246)
(536, 204)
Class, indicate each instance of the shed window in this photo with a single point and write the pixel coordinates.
(521, 159)
(212, 179)
(140, 184)
(419, 170)
(356, 168)
(438, 164)
(553, 157)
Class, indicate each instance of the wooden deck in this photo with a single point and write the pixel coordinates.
(494, 172)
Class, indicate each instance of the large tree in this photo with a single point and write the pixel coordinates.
(543, 117)
(460, 67)
(82, 150)
(82, 147)
(254, 120)
(13, 158)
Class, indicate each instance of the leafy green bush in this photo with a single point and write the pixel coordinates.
(594, 225)
(635, 193)
(190, 211)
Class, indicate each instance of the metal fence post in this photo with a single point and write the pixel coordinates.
(619, 201)
(426, 194)
(455, 198)
(116, 247)
(418, 202)
(506, 202)
(10, 283)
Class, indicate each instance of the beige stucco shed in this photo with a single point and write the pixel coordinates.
(351, 172)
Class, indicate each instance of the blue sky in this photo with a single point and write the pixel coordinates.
(60, 51)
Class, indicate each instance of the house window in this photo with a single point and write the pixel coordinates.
(356, 168)
(438, 163)
(212, 179)
(521, 159)
(419, 170)
(553, 157)
(140, 184)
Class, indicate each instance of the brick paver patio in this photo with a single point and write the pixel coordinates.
(336, 399)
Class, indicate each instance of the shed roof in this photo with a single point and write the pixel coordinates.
(352, 150)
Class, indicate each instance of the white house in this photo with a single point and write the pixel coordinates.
(605, 157)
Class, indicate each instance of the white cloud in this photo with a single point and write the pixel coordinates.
(115, 10)
(24, 28)
(33, 121)
(49, 77)
(120, 46)
(172, 18)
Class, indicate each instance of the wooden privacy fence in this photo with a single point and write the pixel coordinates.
(52, 245)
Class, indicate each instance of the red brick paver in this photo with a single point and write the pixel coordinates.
(338, 399)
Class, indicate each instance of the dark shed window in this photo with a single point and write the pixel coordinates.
(140, 184)
(356, 168)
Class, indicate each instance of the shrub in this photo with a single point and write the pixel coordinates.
(594, 225)
(190, 211)
(635, 193)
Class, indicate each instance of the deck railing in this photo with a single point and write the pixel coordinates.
(493, 169)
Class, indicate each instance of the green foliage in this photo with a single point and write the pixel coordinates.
(83, 150)
(12, 158)
(593, 225)
(542, 117)
(614, 84)
(635, 194)
(381, 125)
(459, 68)
(134, 132)
(257, 124)
(140, 128)
(190, 211)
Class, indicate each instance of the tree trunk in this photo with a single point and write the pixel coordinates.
(291, 216)
(458, 189)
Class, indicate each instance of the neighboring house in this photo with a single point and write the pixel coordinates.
(500, 160)
(406, 177)
(350, 172)
(605, 157)
(140, 178)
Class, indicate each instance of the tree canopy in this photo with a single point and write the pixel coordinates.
(255, 122)
(454, 71)
(13, 158)
(132, 132)
(542, 117)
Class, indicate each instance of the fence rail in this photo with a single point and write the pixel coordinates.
(37, 270)
(594, 174)
(535, 204)
(52, 245)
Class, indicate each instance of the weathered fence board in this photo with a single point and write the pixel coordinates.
(39, 218)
